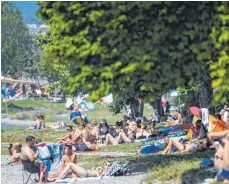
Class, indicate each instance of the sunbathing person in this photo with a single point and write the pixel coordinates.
(36, 124)
(142, 132)
(69, 156)
(89, 134)
(187, 147)
(179, 118)
(122, 137)
(68, 138)
(79, 142)
(80, 172)
(15, 154)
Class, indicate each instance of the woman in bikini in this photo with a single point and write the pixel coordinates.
(187, 147)
(68, 157)
(80, 172)
(68, 138)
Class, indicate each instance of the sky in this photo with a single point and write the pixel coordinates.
(28, 10)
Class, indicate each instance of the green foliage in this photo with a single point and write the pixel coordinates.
(102, 46)
(15, 39)
(220, 68)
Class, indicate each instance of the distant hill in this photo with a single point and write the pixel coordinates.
(28, 10)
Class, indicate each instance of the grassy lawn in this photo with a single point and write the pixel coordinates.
(181, 167)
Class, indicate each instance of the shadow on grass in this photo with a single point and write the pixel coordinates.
(194, 176)
(175, 166)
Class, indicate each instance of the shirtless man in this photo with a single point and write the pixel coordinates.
(28, 156)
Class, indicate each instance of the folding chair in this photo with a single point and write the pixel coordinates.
(29, 169)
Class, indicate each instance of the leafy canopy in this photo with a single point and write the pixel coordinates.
(105, 46)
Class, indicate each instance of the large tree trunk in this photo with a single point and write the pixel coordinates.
(141, 108)
(158, 109)
(206, 94)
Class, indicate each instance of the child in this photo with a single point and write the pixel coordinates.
(45, 157)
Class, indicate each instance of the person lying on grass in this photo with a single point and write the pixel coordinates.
(68, 138)
(15, 153)
(80, 172)
(187, 147)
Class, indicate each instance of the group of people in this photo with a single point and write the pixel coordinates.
(28, 155)
(39, 123)
(87, 134)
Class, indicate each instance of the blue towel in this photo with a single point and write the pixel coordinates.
(166, 130)
(206, 162)
(149, 149)
(177, 134)
(56, 151)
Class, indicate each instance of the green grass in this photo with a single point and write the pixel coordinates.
(182, 167)
(132, 147)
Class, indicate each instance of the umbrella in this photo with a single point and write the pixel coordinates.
(195, 111)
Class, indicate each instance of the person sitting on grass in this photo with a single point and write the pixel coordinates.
(179, 118)
(80, 172)
(15, 153)
(42, 121)
(37, 123)
(142, 132)
(187, 147)
(89, 134)
(123, 136)
(68, 138)
(80, 143)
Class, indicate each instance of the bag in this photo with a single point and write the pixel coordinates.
(116, 170)
(43, 153)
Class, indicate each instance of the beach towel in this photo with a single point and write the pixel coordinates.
(205, 120)
(43, 153)
(56, 152)
(76, 118)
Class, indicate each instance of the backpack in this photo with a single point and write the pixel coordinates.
(43, 153)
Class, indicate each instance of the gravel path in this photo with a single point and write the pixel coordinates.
(13, 175)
